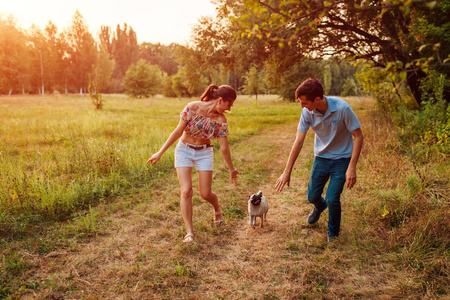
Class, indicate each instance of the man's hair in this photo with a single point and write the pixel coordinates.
(311, 88)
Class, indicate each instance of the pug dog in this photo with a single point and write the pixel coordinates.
(257, 207)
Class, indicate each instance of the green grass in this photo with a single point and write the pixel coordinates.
(59, 155)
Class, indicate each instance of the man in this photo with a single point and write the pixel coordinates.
(338, 142)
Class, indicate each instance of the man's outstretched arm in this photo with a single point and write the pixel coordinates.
(285, 178)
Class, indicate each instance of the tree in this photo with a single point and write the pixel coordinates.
(327, 79)
(62, 73)
(284, 78)
(189, 82)
(125, 50)
(404, 36)
(219, 75)
(56, 65)
(142, 80)
(349, 87)
(39, 57)
(254, 82)
(46, 59)
(178, 86)
(160, 55)
(102, 75)
(106, 39)
(217, 43)
(13, 56)
(340, 70)
(168, 87)
(103, 68)
(380, 84)
(191, 78)
(82, 52)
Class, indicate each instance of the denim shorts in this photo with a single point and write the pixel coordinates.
(187, 157)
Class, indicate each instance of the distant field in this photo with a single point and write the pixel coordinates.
(58, 154)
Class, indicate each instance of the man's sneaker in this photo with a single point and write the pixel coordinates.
(314, 216)
(331, 238)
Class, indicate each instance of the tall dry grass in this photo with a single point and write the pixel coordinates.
(402, 207)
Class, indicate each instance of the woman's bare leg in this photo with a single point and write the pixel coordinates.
(185, 179)
(204, 186)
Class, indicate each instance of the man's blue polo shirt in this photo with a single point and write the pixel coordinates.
(333, 138)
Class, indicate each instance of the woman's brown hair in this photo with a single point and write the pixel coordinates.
(213, 91)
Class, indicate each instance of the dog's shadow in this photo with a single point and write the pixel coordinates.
(268, 228)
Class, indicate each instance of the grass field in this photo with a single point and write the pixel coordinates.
(59, 155)
(83, 217)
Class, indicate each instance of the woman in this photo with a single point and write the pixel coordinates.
(201, 121)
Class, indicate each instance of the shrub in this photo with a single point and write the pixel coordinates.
(142, 80)
(422, 130)
(168, 90)
(426, 130)
(95, 95)
(384, 87)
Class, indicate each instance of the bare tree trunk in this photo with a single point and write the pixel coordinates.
(413, 80)
(42, 73)
(10, 92)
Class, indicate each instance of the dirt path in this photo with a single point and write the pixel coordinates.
(251, 261)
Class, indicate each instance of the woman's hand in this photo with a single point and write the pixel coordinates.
(155, 157)
(233, 175)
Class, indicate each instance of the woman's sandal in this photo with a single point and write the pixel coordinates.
(218, 222)
(189, 238)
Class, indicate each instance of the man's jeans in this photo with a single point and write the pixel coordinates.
(321, 171)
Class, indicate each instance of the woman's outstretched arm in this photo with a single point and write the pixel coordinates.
(173, 137)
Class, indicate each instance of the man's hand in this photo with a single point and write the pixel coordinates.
(284, 178)
(350, 177)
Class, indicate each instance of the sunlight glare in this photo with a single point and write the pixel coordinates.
(153, 21)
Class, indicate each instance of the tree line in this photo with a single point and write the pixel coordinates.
(255, 46)
(47, 61)
(40, 61)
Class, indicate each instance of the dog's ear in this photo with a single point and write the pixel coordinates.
(260, 193)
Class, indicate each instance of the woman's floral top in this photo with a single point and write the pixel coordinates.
(202, 127)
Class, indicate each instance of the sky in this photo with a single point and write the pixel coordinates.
(154, 21)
